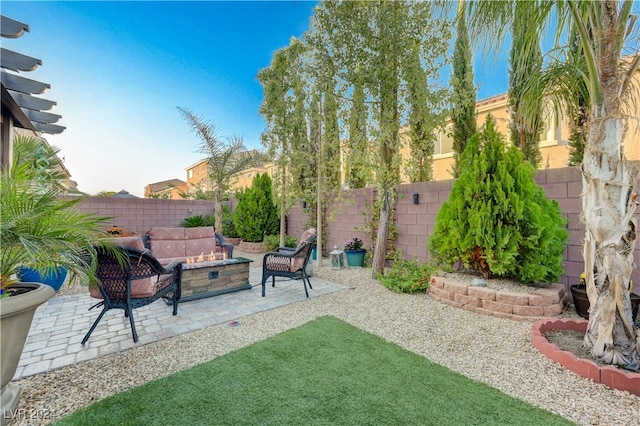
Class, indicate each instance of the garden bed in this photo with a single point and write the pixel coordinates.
(500, 299)
(613, 377)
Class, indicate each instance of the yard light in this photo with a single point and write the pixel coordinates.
(337, 258)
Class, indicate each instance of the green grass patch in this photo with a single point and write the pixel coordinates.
(326, 372)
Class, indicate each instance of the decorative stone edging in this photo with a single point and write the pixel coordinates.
(610, 376)
(248, 247)
(543, 303)
(233, 240)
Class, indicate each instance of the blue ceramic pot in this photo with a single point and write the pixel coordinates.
(355, 257)
(54, 278)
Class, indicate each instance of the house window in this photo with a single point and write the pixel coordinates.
(190, 173)
(551, 133)
(443, 146)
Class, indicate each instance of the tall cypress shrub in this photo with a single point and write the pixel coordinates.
(463, 98)
(497, 219)
(256, 214)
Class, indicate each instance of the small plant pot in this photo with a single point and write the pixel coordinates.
(355, 257)
(581, 302)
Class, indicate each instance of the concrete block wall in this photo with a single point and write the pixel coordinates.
(415, 222)
(351, 210)
(139, 214)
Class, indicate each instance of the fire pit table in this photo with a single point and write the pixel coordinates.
(214, 277)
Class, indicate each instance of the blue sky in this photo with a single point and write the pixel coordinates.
(118, 70)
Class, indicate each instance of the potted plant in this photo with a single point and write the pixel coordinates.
(354, 251)
(41, 230)
(581, 300)
(53, 277)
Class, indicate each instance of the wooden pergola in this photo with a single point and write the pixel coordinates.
(20, 108)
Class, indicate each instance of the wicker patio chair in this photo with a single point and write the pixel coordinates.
(289, 262)
(228, 247)
(135, 280)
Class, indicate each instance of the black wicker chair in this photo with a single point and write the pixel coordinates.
(132, 280)
(228, 247)
(289, 263)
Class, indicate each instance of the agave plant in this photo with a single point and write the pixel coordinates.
(39, 228)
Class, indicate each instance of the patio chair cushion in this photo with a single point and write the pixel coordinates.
(144, 287)
(131, 242)
(199, 241)
(179, 244)
(298, 262)
(167, 243)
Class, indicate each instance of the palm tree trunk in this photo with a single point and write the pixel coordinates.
(608, 206)
(217, 212)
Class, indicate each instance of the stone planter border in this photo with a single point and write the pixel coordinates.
(233, 240)
(610, 376)
(248, 247)
(544, 302)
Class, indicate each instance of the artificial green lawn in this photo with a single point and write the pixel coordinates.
(324, 372)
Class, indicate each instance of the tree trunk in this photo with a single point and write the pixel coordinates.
(319, 229)
(283, 216)
(608, 206)
(217, 213)
(283, 223)
(380, 251)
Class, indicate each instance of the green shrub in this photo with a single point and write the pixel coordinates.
(497, 220)
(196, 221)
(272, 242)
(228, 225)
(406, 276)
(256, 215)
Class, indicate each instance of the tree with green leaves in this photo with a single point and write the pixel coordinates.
(608, 36)
(227, 157)
(358, 172)
(463, 99)
(497, 219)
(330, 138)
(525, 62)
(369, 42)
(422, 118)
(284, 110)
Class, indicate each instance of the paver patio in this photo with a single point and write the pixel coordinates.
(60, 324)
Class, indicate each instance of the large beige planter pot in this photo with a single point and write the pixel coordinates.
(16, 314)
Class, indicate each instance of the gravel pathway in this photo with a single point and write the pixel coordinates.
(492, 350)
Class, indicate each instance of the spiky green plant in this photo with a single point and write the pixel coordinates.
(39, 228)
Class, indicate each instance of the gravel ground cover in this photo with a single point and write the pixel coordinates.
(492, 350)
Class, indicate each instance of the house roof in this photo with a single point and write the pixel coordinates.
(166, 184)
(492, 100)
(123, 194)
